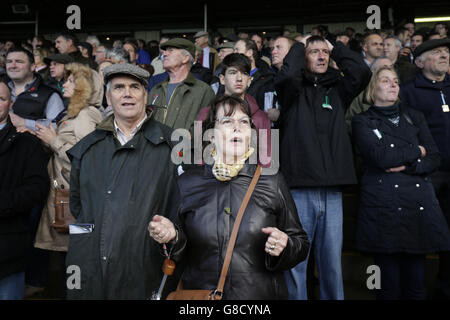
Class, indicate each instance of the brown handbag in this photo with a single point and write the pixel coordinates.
(216, 294)
(63, 217)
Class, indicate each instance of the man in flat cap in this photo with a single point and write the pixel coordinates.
(224, 49)
(121, 176)
(208, 57)
(429, 92)
(56, 63)
(181, 96)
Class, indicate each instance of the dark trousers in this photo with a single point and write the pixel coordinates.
(404, 271)
(37, 265)
(441, 183)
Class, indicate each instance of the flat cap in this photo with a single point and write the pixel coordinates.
(430, 45)
(201, 34)
(59, 58)
(180, 43)
(294, 35)
(126, 69)
(226, 44)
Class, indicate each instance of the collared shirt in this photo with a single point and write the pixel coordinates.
(54, 106)
(123, 139)
(206, 57)
(2, 126)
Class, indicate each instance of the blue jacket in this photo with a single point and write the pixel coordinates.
(425, 95)
(143, 57)
(398, 211)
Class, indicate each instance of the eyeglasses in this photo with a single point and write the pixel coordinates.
(228, 122)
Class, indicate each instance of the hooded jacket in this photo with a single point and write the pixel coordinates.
(315, 147)
(81, 119)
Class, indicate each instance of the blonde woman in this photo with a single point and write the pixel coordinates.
(400, 220)
(84, 88)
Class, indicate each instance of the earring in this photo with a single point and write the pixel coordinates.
(213, 151)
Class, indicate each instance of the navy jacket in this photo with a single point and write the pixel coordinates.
(399, 211)
(425, 95)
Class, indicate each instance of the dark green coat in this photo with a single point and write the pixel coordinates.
(119, 189)
(187, 100)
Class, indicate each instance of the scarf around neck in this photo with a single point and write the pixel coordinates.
(225, 172)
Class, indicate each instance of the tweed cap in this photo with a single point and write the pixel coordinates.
(126, 69)
(201, 34)
(59, 58)
(429, 45)
(227, 44)
(294, 35)
(180, 43)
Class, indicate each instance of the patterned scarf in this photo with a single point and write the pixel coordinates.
(225, 172)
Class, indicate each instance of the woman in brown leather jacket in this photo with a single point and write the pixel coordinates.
(270, 238)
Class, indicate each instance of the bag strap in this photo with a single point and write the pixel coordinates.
(234, 232)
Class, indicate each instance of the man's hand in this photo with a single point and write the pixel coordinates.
(405, 51)
(161, 229)
(304, 39)
(273, 114)
(16, 120)
(330, 46)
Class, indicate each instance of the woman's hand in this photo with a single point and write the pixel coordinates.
(24, 129)
(396, 169)
(44, 133)
(161, 229)
(276, 242)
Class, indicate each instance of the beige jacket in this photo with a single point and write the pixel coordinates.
(157, 64)
(70, 130)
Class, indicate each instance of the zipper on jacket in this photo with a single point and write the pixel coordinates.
(167, 107)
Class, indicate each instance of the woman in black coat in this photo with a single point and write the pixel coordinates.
(399, 217)
(270, 238)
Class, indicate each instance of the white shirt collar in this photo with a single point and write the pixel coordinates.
(123, 139)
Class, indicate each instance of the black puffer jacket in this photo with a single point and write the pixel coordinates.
(205, 226)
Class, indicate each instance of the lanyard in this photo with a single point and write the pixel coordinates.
(443, 99)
